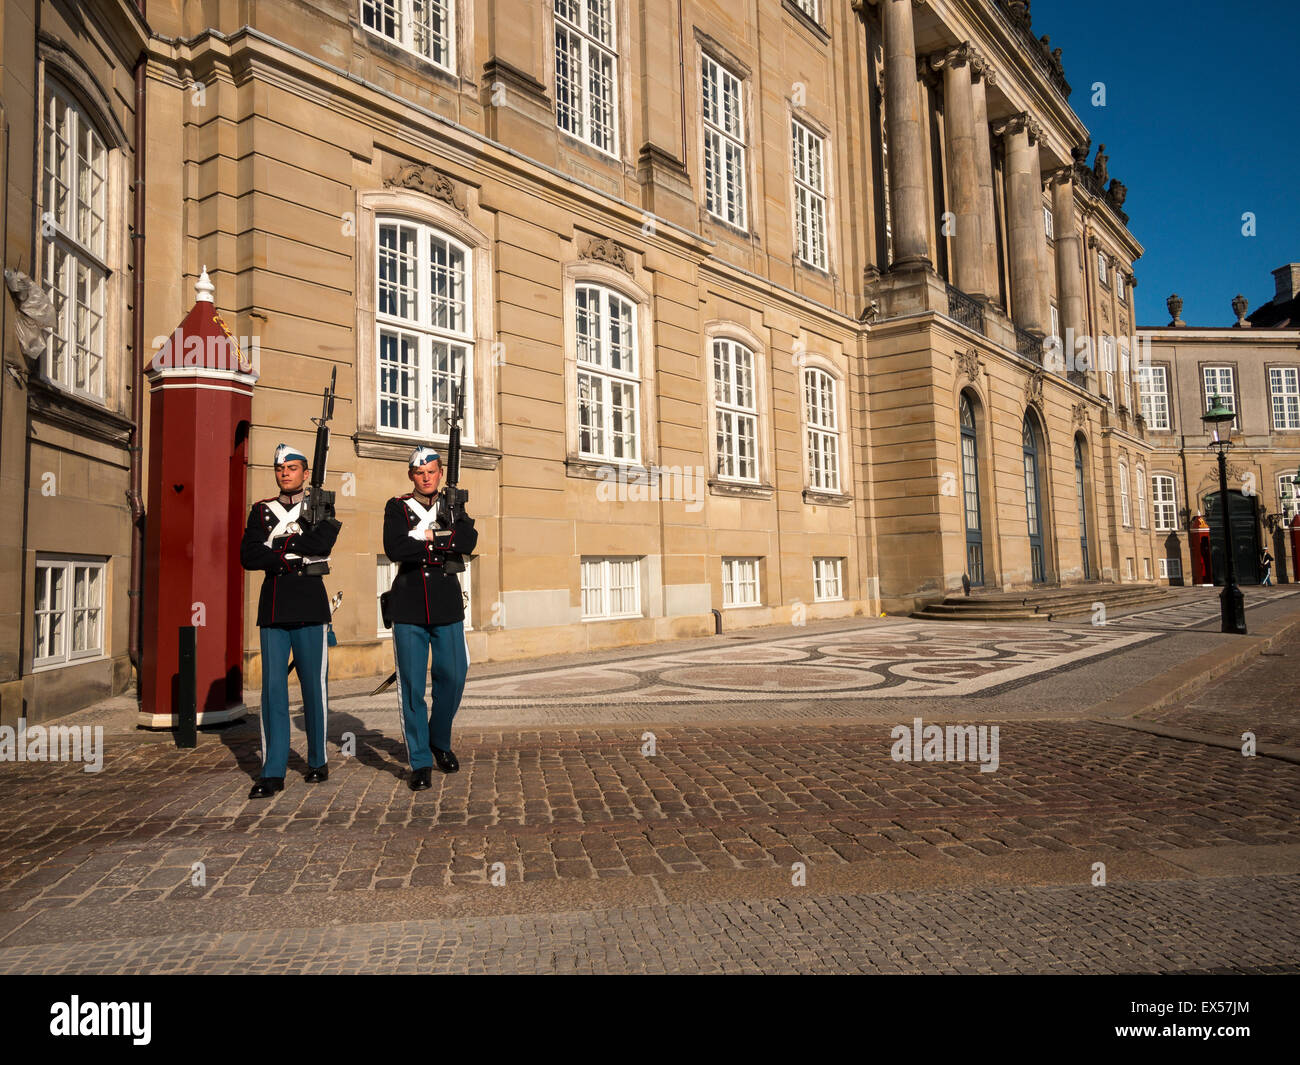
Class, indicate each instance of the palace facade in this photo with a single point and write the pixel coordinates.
(811, 312)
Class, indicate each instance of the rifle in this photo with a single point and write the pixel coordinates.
(452, 500)
(318, 505)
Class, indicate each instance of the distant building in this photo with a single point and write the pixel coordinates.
(1254, 366)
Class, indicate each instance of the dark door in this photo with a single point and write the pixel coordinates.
(1083, 510)
(970, 478)
(1245, 536)
(1033, 504)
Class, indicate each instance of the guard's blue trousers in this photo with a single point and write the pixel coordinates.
(412, 645)
(312, 663)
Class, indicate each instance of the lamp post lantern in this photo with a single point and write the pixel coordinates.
(1232, 607)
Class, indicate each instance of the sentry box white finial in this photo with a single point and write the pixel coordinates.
(204, 288)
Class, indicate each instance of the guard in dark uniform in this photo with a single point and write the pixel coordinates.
(428, 615)
(293, 613)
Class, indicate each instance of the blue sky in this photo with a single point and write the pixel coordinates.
(1200, 124)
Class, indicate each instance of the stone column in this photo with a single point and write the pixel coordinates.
(1068, 277)
(1025, 223)
(982, 75)
(963, 169)
(908, 198)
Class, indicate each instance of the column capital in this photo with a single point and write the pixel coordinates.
(1021, 123)
(982, 67)
(958, 55)
(1058, 176)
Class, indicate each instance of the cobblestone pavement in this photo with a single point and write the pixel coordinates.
(578, 847)
(1224, 925)
(1271, 708)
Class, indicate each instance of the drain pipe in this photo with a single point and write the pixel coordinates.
(134, 497)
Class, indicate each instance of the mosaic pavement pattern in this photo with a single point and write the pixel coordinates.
(1204, 611)
(903, 659)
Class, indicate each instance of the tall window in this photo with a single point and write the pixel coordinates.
(1142, 496)
(1284, 388)
(1163, 503)
(1288, 496)
(1108, 367)
(1081, 497)
(970, 485)
(724, 144)
(424, 320)
(1047, 222)
(586, 72)
(1126, 518)
(809, 194)
(1153, 382)
(609, 390)
(1124, 377)
(1033, 506)
(828, 579)
(69, 602)
(736, 411)
(610, 588)
(823, 430)
(422, 26)
(1120, 291)
(740, 582)
(75, 190)
(811, 8)
(1218, 381)
(1101, 268)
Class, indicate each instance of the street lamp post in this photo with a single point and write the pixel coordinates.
(1232, 607)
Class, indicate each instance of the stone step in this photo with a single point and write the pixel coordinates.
(1045, 605)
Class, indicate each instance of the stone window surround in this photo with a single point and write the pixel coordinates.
(828, 193)
(706, 45)
(1173, 479)
(721, 329)
(1140, 482)
(406, 204)
(461, 44)
(1169, 402)
(80, 86)
(1202, 365)
(1268, 391)
(66, 561)
(637, 289)
(1125, 509)
(623, 119)
(811, 495)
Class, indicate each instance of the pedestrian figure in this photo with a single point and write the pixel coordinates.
(1265, 567)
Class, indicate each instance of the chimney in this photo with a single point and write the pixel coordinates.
(1287, 280)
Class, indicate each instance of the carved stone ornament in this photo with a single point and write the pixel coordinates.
(609, 251)
(1034, 389)
(428, 180)
(970, 363)
(1079, 415)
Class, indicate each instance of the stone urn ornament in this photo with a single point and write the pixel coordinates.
(1239, 308)
(1175, 305)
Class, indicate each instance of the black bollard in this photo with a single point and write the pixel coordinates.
(186, 700)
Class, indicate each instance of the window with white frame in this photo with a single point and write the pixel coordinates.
(823, 430)
(1153, 385)
(1108, 367)
(811, 8)
(735, 411)
(1170, 568)
(1146, 568)
(1288, 496)
(1284, 388)
(1218, 381)
(724, 143)
(1142, 496)
(809, 194)
(1128, 568)
(69, 610)
(425, 329)
(1056, 320)
(1119, 287)
(425, 27)
(1164, 504)
(1047, 222)
(1101, 268)
(740, 582)
(1126, 518)
(609, 390)
(586, 72)
(828, 579)
(610, 588)
(1125, 398)
(386, 572)
(74, 223)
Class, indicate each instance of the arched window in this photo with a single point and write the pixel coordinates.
(1033, 501)
(735, 402)
(823, 429)
(425, 329)
(609, 385)
(970, 481)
